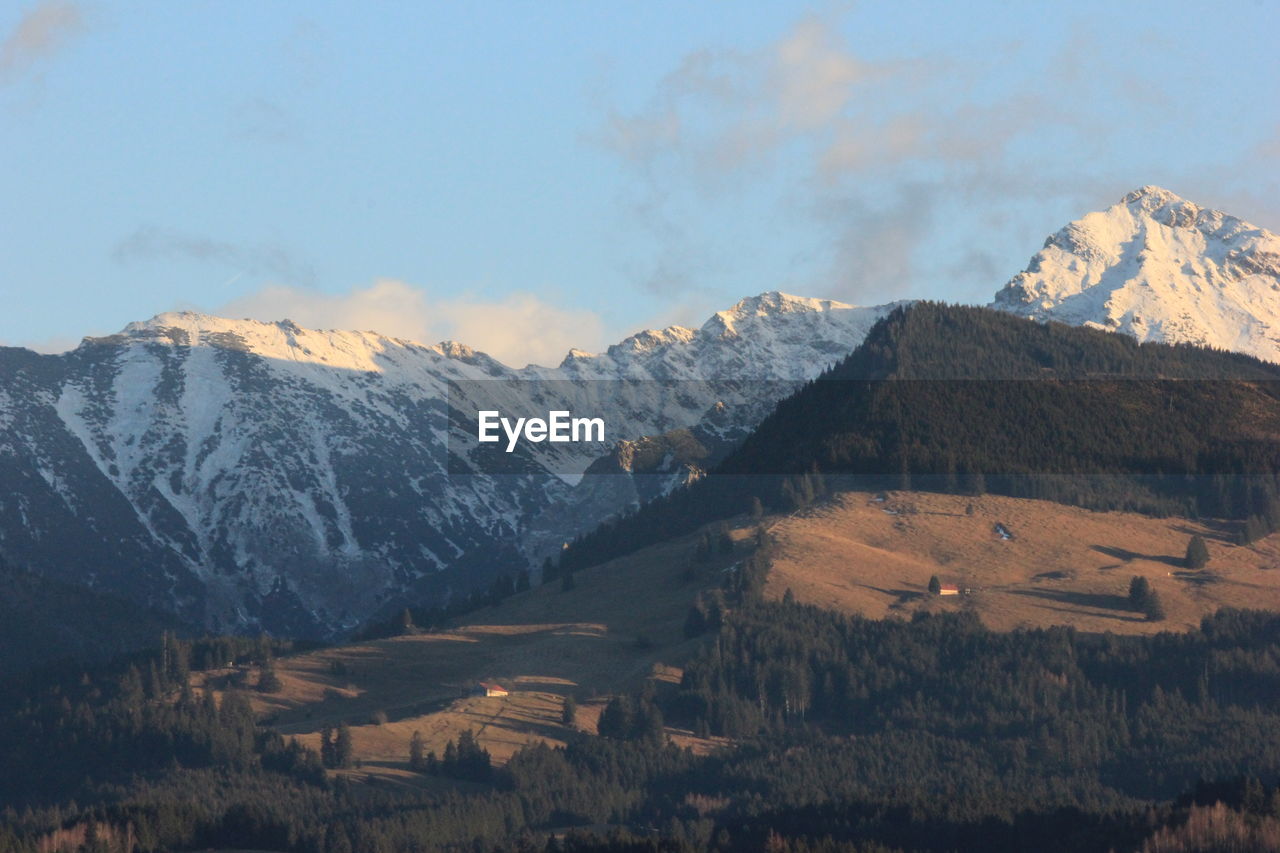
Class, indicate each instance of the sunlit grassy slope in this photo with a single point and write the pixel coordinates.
(859, 553)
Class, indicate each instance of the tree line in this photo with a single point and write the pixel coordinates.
(845, 734)
(971, 401)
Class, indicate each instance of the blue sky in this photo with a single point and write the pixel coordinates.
(529, 176)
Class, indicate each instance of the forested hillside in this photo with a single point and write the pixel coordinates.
(847, 735)
(836, 733)
(969, 400)
(44, 620)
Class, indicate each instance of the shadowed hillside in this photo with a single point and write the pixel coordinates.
(973, 401)
(44, 620)
(859, 553)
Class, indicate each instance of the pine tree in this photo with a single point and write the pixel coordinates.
(93, 840)
(648, 723)
(522, 581)
(616, 720)
(450, 762)
(327, 755)
(757, 509)
(1153, 608)
(794, 501)
(467, 760)
(817, 481)
(1253, 798)
(1197, 553)
(343, 752)
(569, 711)
(1256, 527)
(417, 753)
(268, 681)
(935, 585)
(567, 582)
(1139, 592)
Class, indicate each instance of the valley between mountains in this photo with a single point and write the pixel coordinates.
(245, 476)
(863, 553)
(914, 576)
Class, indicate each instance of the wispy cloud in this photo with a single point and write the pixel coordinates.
(518, 329)
(727, 109)
(721, 121)
(151, 242)
(42, 31)
(883, 158)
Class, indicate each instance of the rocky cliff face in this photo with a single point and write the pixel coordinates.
(252, 475)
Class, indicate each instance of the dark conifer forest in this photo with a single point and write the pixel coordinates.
(932, 734)
(833, 732)
(971, 401)
(43, 620)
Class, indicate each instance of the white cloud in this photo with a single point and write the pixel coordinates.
(517, 329)
(41, 32)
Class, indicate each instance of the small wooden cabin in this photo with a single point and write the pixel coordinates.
(488, 688)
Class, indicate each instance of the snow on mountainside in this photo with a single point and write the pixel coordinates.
(257, 474)
(794, 331)
(248, 474)
(1159, 268)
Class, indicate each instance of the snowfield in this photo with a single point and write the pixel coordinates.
(262, 475)
(1159, 268)
(266, 475)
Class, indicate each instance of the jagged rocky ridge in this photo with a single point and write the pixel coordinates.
(249, 475)
(252, 475)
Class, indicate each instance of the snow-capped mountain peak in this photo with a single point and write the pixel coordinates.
(770, 304)
(260, 474)
(651, 339)
(282, 340)
(1160, 268)
(1152, 197)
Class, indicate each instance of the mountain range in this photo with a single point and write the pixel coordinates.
(250, 475)
(261, 475)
